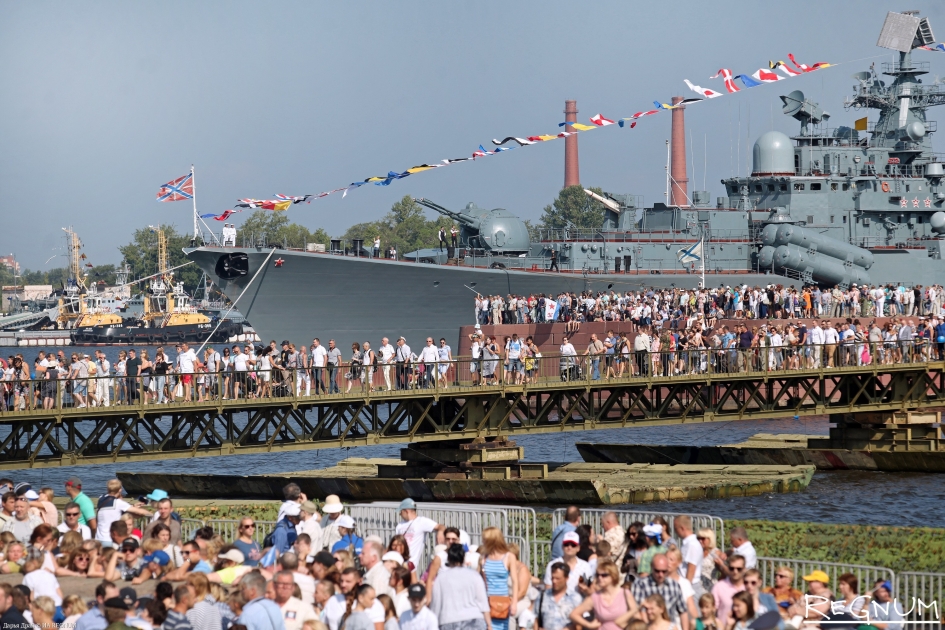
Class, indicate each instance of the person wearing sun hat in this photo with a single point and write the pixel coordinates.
(333, 509)
(349, 537)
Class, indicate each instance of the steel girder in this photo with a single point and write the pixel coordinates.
(116, 434)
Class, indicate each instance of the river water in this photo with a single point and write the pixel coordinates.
(860, 497)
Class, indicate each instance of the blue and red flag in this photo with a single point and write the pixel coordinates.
(180, 189)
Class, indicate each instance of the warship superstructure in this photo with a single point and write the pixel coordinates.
(856, 204)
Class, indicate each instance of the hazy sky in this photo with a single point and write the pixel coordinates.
(102, 102)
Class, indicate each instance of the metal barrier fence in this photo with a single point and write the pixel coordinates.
(913, 587)
(25, 397)
(593, 516)
(865, 575)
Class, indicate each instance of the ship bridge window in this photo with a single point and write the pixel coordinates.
(783, 187)
(833, 187)
(815, 186)
(757, 188)
(831, 218)
(846, 187)
(798, 186)
(844, 218)
(770, 187)
(907, 187)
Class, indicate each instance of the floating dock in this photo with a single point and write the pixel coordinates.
(901, 442)
(490, 472)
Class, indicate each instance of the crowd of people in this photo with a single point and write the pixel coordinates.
(664, 305)
(316, 570)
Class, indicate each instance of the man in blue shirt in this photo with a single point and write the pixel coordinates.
(572, 518)
(284, 534)
(259, 613)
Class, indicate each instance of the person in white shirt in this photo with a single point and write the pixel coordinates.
(310, 522)
(295, 612)
(103, 382)
(743, 547)
(570, 545)
(427, 358)
(187, 360)
(337, 605)
(690, 567)
(386, 357)
(319, 360)
(110, 508)
(376, 574)
(817, 340)
(419, 617)
(568, 360)
(240, 363)
(415, 528)
(71, 523)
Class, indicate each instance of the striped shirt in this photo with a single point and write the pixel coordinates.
(205, 615)
(176, 621)
(669, 589)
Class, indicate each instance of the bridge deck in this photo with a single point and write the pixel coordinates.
(68, 435)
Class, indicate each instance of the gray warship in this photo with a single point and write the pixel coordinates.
(828, 206)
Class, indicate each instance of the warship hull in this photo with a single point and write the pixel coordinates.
(351, 299)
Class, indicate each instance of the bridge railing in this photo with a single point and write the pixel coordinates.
(73, 388)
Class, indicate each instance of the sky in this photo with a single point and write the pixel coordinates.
(102, 102)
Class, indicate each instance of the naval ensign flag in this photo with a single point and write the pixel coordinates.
(691, 254)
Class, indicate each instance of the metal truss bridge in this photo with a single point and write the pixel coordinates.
(67, 436)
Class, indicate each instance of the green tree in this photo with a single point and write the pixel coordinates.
(574, 209)
(142, 256)
(276, 229)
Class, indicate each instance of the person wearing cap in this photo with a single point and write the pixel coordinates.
(310, 521)
(116, 614)
(127, 564)
(284, 534)
(321, 564)
(349, 540)
(419, 617)
(333, 509)
(295, 612)
(164, 515)
(580, 574)
(415, 528)
(110, 508)
(818, 605)
(653, 532)
(155, 566)
(86, 507)
(232, 568)
(885, 613)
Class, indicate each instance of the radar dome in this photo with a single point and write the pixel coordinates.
(773, 155)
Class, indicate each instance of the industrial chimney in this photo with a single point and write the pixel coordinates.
(572, 176)
(680, 182)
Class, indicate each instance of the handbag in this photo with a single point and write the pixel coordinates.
(500, 606)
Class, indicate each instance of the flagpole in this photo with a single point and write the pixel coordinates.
(193, 183)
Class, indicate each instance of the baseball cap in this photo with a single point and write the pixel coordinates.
(571, 538)
(408, 504)
(345, 521)
(159, 557)
(117, 603)
(129, 544)
(129, 596)
(653, 530)
(74, 482)
(416, 591)
(308, 507)
(393, 556)
(292, 509)
(285, 342)
(817, 576)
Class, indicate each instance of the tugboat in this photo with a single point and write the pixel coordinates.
(169, 316)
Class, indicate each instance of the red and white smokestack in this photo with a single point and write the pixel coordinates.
(680, 182)
(572, 175)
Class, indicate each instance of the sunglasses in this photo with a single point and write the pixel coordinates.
(736, 568)
(251, 525)
(72, 513)
(782, 575)
(603, 575)
(660, 571)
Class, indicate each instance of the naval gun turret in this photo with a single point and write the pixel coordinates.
(496, 231)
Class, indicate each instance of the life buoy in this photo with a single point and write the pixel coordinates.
(885, 186)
